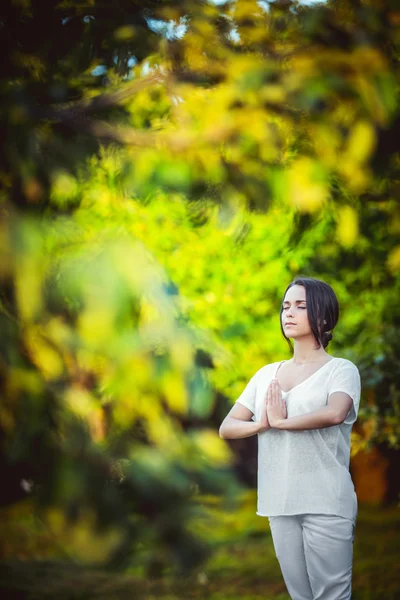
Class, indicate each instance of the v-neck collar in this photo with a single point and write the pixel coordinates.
(309, 377)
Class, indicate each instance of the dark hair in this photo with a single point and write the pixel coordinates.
(322, 305)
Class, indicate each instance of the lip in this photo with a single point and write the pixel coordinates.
(290, 324)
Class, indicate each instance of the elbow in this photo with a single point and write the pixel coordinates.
(337, 418)
(222, 432)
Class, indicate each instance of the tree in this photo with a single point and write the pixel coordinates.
(289, 111)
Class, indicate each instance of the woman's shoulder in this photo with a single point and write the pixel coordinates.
(267, 369)
(345, 363)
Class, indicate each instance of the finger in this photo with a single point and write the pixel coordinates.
(267, 397)
(271, 397)
(275, 391)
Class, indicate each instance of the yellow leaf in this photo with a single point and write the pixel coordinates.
(124, 33)
(96, 325)
(175, 392)
(64, 188)
(393, 260)
(213, 448)
(307, 186)
(361, 142)
(80, 401)
(181, 352)
(347, 225)
(163, 431)
(43, 354)
(28, 282)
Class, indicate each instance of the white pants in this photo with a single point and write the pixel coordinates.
(315, 553)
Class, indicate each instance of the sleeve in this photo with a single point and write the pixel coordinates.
(347, 379)
(248, 396)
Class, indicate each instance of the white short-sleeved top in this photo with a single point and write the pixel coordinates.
(306, 471)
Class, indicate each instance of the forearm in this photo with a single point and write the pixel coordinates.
(317, 419)
(232, 428)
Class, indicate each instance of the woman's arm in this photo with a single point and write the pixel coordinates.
(334, 413)
(237, 423)
(317, 419)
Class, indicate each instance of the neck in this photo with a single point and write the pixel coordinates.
(305, 351)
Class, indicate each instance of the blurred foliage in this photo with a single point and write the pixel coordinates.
(166, 169)
(243, 565)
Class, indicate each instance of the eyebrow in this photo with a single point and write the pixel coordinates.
(296, 301)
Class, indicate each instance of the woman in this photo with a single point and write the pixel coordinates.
(303, 410)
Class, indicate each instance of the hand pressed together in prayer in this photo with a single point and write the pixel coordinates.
(276, 405)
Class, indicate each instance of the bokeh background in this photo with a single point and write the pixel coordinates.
(167, 168)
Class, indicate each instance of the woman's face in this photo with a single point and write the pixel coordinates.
(295, 312)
